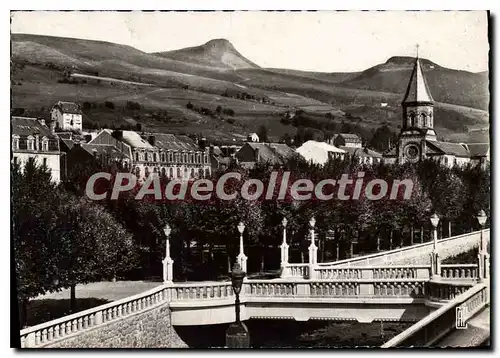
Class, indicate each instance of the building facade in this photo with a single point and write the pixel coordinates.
(176, 157)
(350, 140)
(417, 140)
(32, 139)
(67, 116)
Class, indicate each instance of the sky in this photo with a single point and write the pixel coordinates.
(325, 41)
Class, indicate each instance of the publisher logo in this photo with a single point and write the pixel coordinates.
(460, 322)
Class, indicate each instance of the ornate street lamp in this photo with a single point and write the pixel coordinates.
(237, 335)
(284, 251)
(483, 256)
(168, 263)
(242, 259)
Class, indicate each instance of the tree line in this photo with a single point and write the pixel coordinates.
(61, 238)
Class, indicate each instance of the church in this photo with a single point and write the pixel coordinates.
(417, 140)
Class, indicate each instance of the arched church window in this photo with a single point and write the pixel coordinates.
(423, 120)
(412, 120)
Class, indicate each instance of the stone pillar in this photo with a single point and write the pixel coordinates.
(435, 261)
(285, 269)
(313, 252)
(366, 289)
(30, 340)
(168, 263)
(483, 259)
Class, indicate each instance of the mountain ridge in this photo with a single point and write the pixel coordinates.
(258, 95)
(219, 53)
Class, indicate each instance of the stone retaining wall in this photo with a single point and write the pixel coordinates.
(150, 329)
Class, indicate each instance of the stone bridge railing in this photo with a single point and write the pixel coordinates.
(440, 322)
(64, 327)
(331, 282)
(415, 254)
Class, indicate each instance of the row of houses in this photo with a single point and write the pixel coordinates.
(180, 157)
(140, 153)
(173, 156)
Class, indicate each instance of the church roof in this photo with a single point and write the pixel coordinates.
(417, 90)
(478, 149)
(455, 149)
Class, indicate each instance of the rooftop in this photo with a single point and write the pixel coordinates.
(25, 126)
(106, 149)
(317, 152)
(68, 107)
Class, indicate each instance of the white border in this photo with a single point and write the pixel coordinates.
(199, 5)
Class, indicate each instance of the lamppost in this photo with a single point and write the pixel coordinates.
(237, 335)
(284, 252)
(313, 251)
(483, 256)
(435, 266)
(168, 263)
(242, 259)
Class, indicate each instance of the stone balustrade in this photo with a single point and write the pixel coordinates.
(267, 288)
(64, 327)
(440, 322)
(335, 289)
(376, 272)
(446, 290)
(416, 254)
(407, 288)
(459, 271)
(297, 270)
(201, 291)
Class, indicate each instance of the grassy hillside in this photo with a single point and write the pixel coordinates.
(448, 86)
(214, 75)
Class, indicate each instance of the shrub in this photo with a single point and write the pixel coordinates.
(228, 111)
(131, 105)
(189, 105)
(109, 105)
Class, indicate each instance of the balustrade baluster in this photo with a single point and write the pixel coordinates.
(56, 331)
(68, 328)
(44, 336)
(50, 333)
(37, 337)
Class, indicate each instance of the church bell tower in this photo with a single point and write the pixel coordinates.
(418, 117)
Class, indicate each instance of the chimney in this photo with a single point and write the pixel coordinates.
(202, 143)
(152, 140)
(256, 154)
(52, 126)
(118, 134)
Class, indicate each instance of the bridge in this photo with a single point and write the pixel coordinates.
(409, 284)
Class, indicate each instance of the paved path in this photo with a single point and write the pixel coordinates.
(110, 291)
(478, 330)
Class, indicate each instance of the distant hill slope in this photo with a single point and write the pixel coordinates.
(447, 85)
(333, 77)
(218, 53)
(216, 74)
